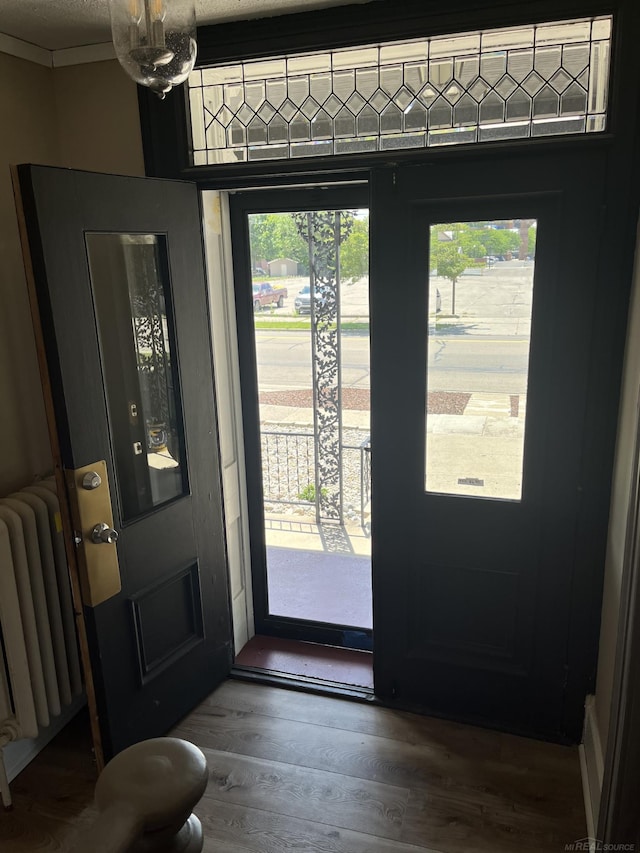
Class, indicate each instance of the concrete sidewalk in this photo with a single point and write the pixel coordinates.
(482, 447)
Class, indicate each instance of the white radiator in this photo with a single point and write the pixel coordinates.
(39, 663)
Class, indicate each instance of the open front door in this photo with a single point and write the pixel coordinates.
(118, 270)
(489, 501)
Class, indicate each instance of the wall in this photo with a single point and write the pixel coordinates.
(27, 107)
(85, 117)
(98, 125)
(622, 483)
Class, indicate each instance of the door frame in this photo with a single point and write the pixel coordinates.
(46, 379)
(282, 199)
(600, 447)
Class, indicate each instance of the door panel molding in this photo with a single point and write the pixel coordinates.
(153, 610)
(489, 636)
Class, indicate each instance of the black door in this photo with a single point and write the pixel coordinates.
(122, 297)
(483, 307)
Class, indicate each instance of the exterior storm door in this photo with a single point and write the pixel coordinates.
(302, 305)
(118, 270)
(483, 302)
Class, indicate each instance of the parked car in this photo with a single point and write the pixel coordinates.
(302, 303)
(265, 294)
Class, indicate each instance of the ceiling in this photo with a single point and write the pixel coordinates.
(59, 24)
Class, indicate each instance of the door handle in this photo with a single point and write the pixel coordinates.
(103, 533)
(92, 517)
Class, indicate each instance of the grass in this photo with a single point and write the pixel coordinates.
(291, 324)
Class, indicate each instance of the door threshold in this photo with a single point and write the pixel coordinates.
(296, 663)
(301, 683)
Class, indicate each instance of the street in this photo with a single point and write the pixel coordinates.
(458, 363)
(484, 348)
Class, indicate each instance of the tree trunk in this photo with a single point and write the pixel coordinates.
(525, 224)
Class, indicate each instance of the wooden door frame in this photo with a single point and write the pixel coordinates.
(61, 484)
(619, 820)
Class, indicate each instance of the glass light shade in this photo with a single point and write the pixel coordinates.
(155, 40)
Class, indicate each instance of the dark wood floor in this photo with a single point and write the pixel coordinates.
(297, 773)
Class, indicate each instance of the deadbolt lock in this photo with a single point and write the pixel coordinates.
(92, 517)
(91, 480)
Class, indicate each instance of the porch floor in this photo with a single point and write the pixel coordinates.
(320, 573)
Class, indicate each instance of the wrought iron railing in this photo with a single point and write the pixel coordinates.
(288, 471)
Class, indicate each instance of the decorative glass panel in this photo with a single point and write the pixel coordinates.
(529, 81)
(480, 297)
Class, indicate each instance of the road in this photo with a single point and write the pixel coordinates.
(458, 363)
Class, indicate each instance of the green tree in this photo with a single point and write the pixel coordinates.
(274, 235)
(450, 262)
(287, 241)
(498, 241)
(354, 252)
(259, 239)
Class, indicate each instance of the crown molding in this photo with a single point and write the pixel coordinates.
(25, 50)
(85, 53)
(56, 58)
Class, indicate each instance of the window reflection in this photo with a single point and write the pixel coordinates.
(130, 280)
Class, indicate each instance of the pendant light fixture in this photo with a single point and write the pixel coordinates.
(155, 40)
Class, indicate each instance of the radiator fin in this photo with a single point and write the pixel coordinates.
(40, 670)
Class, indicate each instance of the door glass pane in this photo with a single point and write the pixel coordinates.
(130, 279)
(310, 297)
(480, 300)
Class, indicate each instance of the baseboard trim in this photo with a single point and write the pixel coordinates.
(591, 766)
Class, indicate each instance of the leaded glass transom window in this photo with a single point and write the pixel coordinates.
(516, 83)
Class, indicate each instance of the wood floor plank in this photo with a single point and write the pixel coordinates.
(237, 829)
(298, 773)
(364, 717)
(381, 759)
(61, 793)
(300, 792)
(24, 830)
(350, 753)
(459, 824)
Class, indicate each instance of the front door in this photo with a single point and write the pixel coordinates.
(118, 270)
(484, 336)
